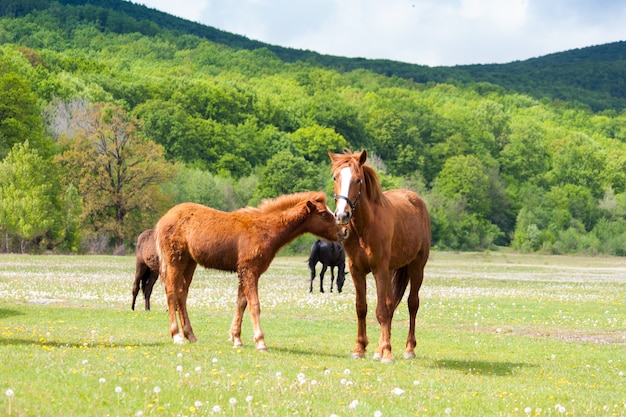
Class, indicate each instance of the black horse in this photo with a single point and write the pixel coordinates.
(329, 254)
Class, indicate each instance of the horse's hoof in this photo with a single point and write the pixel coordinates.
(409, 355)
(357, 355)
(178, 339)
(262, 350)
(377, 356)
(386, 360)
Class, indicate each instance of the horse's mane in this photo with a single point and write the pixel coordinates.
(285, 202)
(373, 189)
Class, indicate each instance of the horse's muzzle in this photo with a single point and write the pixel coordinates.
(343, 233)
(343, 218)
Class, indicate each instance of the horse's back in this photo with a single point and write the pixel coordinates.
(146, 251)
(206, 235)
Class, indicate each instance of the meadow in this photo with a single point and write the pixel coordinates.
(499, 334)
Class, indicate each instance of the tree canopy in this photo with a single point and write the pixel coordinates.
(118, 115)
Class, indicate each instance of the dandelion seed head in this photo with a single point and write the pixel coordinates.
(157, 390)
(197, 404)
(397, 391)
(179, 368)
(102, 380)
(326, 371)
(139, 413)
(249, 399)
(378, 413)
(278, 374)
(416, 382)
(118, 389)
(233, 401)
(528, 410)
(448, 411)
(214, 360)
(198, 369)
(217, 409)
(346, 372)
(354, 404)
(10, 393)
(180, 355)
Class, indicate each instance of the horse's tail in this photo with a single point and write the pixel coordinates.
(315, 254)
(399, 282)
(157, 244)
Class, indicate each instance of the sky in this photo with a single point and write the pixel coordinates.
(425, 32)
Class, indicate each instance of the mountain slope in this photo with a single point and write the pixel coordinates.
(594, 76)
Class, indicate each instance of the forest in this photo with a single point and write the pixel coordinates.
(108, 117)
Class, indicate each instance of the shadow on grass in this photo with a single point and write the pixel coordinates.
(481, 367)
(5, 312)
(309, 352)
(56, 344)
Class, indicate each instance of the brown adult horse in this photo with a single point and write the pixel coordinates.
(146, 267)
(390, 237)
(243, 241)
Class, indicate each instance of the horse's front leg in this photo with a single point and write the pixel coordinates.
(384, 314)
(361, 314)
(235, 327)
(251, 289)
(332, 278)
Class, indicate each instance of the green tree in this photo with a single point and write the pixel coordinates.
(116, 172)
(465, 177)
(286, 174)
(314, 141)
(20, 118)
(29, 206)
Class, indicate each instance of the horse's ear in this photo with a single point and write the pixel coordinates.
(362, 157)
(332, 156)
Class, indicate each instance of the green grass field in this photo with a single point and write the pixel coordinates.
(499, 334)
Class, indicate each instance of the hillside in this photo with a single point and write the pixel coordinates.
(109, 115)
(594, 76)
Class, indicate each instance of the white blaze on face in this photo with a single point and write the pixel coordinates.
(346, 179)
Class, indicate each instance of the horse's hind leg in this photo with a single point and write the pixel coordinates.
(182, 303)
(416, 275)
(312, 278)
(332, 278)
(324, 267)
(176, 289)
(140, 271)
(147, 287)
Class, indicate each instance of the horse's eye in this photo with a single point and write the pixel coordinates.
(335, 179)
(358, 181)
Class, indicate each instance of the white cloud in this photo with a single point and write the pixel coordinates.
(430, 32)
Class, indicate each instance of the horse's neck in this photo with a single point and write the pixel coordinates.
(363, 215)
(284, 231)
